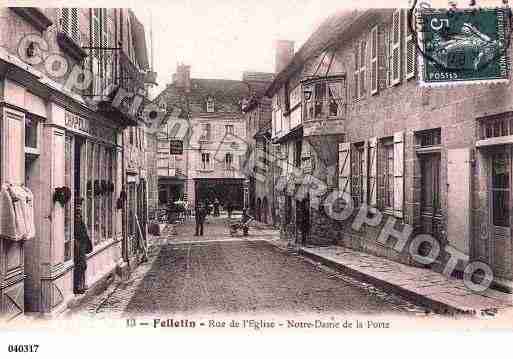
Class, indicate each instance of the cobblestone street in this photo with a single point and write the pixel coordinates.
(218, 274)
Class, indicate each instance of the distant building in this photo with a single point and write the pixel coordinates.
(257, 112)
(209, 167)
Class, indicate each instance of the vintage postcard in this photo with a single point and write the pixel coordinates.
(232, 169)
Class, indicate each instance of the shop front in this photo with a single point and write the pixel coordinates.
(63, 154)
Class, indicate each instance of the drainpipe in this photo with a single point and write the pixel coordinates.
(125, 204)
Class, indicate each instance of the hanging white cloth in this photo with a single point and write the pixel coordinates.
(8, 226)
(28, 212)
(18, 198)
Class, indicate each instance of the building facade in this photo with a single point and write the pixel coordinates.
(62, 138)
(435, 159)
(209, 167)
(259, 197)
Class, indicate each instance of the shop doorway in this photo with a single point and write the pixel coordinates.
(79, 272)
(500, 202)
(142, 208)
(303, 219)
(430, 212)
(259, 210)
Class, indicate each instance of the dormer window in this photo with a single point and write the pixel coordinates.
(210, 104)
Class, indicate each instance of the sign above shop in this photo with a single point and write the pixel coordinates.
(176, 147)
(80, 124)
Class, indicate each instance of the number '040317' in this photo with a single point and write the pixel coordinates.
(23, 348)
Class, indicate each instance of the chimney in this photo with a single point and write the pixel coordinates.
(182, 77)
(284, 54)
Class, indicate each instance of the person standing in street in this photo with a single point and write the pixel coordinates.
(229, 209)
(82, 247)
(216, 207)
(201, 213)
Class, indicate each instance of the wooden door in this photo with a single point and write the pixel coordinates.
(430, 212)
(500, 202)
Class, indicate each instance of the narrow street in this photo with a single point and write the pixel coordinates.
(218, 274)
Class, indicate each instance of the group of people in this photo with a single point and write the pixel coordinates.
(203, 209)
(214, 207)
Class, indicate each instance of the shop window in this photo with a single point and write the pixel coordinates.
(96, 196)
(68, 207)
(31, 132)
(500, 189)
(90, 186)
(357, 174)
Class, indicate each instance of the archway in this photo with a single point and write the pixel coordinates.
(259, 210)
(265, 210)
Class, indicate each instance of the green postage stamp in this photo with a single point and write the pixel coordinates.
(463, 46)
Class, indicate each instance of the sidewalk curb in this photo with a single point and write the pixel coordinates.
(414, 297)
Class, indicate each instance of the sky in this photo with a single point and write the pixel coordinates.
(223, 38)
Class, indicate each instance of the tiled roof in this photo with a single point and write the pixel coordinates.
(330, 34)
(227, 94)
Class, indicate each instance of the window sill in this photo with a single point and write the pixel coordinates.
(203, 170)
(429, 149)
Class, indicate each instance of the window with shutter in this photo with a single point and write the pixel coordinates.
(374, 60)
(396, 48)
(398, 174)
(65, 20)
(356, 92)
(373, 171)
(363, 58)
(69, 23)
(75, 29)
(95, 31)
(386, 177)
(357, 174)
(344, 165)
(409, 48)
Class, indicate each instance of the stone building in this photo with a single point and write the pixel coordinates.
(437, 159)
(257, 113)
(62, 138)
(209, 167)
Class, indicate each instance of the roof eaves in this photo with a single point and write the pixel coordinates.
(313, 46)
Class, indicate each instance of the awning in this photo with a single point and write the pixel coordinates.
(139, 36)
